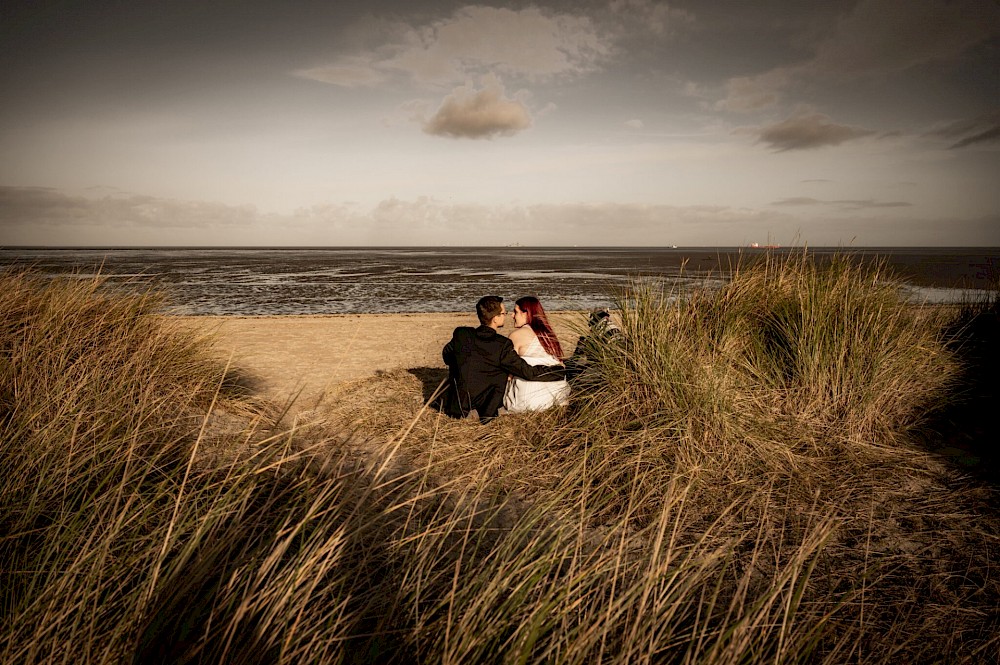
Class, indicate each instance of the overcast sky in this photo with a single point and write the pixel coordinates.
(620, 122)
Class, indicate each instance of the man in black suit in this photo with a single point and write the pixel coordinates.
(479, 361)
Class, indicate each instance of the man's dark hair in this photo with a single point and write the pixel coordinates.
(487, 308)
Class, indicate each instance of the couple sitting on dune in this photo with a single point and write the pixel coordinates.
(487, 370)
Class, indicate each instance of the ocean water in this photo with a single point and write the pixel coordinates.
(242, 281)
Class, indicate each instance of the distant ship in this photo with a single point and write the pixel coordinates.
(757, 245)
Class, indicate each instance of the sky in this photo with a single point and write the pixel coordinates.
(619, 122)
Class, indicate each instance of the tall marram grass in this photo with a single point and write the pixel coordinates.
(100, 403)
(789, 371)
(733, 483)
(788, 398)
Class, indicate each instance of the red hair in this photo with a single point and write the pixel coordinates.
(539, 322)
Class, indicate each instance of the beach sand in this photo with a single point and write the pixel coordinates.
(283, 356)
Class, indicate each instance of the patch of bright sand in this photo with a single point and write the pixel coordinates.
(312, 354)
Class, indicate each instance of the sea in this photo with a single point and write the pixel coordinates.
(332, 280)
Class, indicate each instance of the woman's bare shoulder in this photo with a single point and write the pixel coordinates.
(524, 332)
(521, 337)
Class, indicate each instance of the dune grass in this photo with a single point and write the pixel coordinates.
(736, 481)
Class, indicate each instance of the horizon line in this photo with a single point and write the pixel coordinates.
(511, 247)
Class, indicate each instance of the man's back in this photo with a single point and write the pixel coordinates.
(474, 358)
(479, 361)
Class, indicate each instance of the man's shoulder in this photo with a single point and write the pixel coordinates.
(484, 332)
(483, 336)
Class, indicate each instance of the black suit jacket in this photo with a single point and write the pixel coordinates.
(479, 360)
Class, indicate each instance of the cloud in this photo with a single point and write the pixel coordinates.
(659, 18)
(846, 204)
(478, 114)
(41, 216)
(635, 123)
(47, 216)
(982, 129)
(47, 206)
(885, 36)
(529, 43)
(584, 223)
(807, 131)
(353, 72)
(876, 38)
(33, 215)
(753, 93)
(860, 204)
(991, 135)
(797, 201)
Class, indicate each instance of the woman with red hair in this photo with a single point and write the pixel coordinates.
(536, 342)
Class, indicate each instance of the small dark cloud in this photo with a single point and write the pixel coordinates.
(859, 204)
(971, 131)
(483, 114)
(848, 204)
(804, 132)
(797, 201)
(990, 135)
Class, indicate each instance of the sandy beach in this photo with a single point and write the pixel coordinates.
(284, 355)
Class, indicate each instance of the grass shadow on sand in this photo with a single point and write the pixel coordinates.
(242, 382)
(430, 379)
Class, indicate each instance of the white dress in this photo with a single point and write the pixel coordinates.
(524, 395)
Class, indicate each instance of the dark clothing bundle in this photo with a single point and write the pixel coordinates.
(479, 361)
(580, 367)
